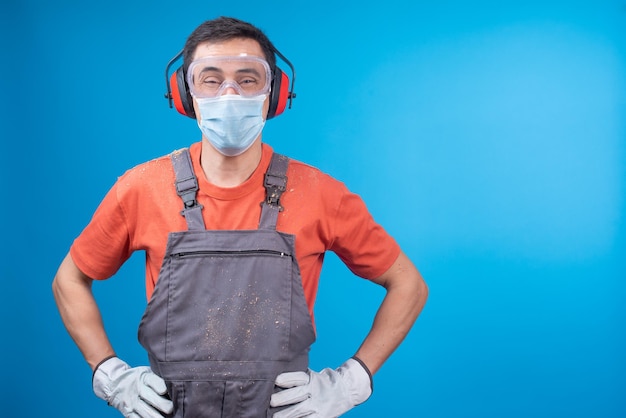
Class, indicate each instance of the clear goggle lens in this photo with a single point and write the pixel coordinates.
(212, 76)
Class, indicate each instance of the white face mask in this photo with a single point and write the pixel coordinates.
(231, 123)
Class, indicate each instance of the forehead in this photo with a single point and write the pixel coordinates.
(236, 47)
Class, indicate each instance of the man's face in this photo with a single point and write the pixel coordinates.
(233, 47)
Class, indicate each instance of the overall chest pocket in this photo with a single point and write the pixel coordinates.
(229, 305)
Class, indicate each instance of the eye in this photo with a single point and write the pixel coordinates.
(247, 81)
(209, 81)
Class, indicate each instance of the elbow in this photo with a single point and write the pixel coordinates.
(422, 287)
(420, 290)
(69, 279)
(55, 286)
(57, 283)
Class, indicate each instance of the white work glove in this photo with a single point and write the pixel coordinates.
(135, 392)
(326, 394)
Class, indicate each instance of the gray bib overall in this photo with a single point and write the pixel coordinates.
(228, 312)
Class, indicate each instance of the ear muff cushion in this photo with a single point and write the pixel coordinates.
(180, 96)
(283, 94)
(279, 95)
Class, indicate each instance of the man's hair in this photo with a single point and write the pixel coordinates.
(224, 29)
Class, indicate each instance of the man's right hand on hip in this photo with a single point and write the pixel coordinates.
(136, 392)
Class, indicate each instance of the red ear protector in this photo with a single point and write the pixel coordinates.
(178, 91)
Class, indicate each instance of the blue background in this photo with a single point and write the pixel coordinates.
(487, 137)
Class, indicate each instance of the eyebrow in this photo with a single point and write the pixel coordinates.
(239, 71)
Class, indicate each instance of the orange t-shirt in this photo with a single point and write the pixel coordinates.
(142, 208)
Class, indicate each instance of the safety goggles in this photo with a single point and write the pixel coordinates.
(212, 76)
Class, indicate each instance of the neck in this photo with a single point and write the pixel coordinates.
(224, 171)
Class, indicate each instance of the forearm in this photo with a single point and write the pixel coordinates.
(406, 295)
(80, 313)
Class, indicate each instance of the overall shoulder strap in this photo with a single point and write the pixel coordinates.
(275, 184)
(187, 188)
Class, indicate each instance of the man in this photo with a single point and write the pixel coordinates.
(234, 236)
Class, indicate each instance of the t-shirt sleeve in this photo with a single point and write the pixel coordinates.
(361, 243)
(104, 245)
